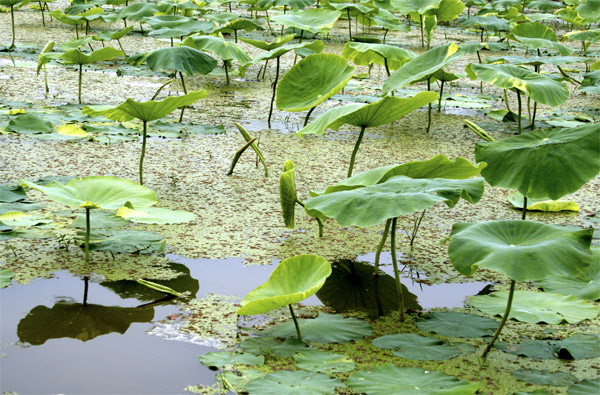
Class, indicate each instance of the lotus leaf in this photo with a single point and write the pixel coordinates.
(544, 377)
(297, 382)
(227, 359)
(29, 123)
(312, 81)
(536, 60)
(585, 387)
(535, 35)
(578, 346)
(269, 46)
(288, 194)
(75, 56)
(317, 20)
(589, 10)
(448, 10)
(326, 328)
(18, 218)
(417, 347)
(292, 281)
(393, 380)
(168, 21)
(400, 195)
(454, 324)
(420, 7)
(236, 380)
(155, 215)
(534, 307)
(224, 49)
(487, 22)
(138, 11)
(591, 82)
(126, 241)
(12, 193)
(183, 59)
(516, 199)
(99, 220)
(272, 346)
(528, 162)
(5, 278)
(364, 54)
(422, 66)
(323, 362)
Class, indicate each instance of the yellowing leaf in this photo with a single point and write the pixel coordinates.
(16, 111)
(71, 130)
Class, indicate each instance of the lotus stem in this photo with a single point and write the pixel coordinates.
(12, 25)
(349, 24)
(46, 79)
(511, 293)
(143, 153)
(396, 271)
(520, 110)
(320, 227)
(226, 72)
(416, 226)
(238, 155)
(429, 107)
(87, 235)
(161, 88)
(42, 9)
(353, 156)
(524, 213)
(308, 115)
(120, 46)
(80, 76)
(385, 34)
(86, 280)
(295, 323)
(77, 31)
(376, 267)
(506, 101)
(533, 116)
(441, 94)
(387, 69)
(185, 92)
(265, 69)
(421, 22)
(274, 93)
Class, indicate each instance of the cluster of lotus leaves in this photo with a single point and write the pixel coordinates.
(292, 281)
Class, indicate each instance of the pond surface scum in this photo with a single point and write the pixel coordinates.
(76, 326)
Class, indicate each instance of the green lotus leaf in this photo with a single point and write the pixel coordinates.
(226, 50)
(292, 281)
(29, 123)
(355, 8)
(589, 10)
(393, 380)
(407, 7)
(400, 195)
(106, 192)
(417, 347)
(540, 88)
(582, 35)
(228, 359)
(268, 46)
(183, 59)
(533, 307)
(12, 193)
(236, 380)
(422, 66)
(545, 163)
(312, 81)
(314, 46)
(296, 382)
(44, 57)
(452, 324)
(487, 22)
(585, 286)
(578, 346)
(287, 194)
(536, 60)
(585, 387)
(326, 328)
(591, 82)
(107, 35)
(138, 11)
(222, 18)
(323, 362)
(145, 111)
(155, 215)
(169, 21)
(5, 277)
(272, 346)
(314, 20)
(544, 377)
(68, 19)
(387, 20)
(18, 218)
(544, 5)
(523, 250)
(239, 24)
(363, 54)
(76, 43)
(126, 241)
(75, 56)
(183, 29)
(516, 199)
(99, 220)
(330, 119)
(448, 10)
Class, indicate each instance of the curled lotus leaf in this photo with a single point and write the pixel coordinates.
(183, 59)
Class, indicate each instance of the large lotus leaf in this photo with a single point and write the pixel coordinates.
(439, 166)
(536, 43)
(393, 380)
(183, 59)
(12, 193)
(544, 377)
(398, 196)
(5, 277)
(145, 111)
(297, 382)
(578, 346)
(227, 359)
(545, 163)
(126, 241)
(452, 324)
(326, 328)
(589, 10)
(523, 250)
(506, 76)
(406, 7)
(106, 192)
(533, 30)
(273, 346)
(29, 123)
(534, 307)
(422, 66)
(381, 112)
(363, 54)
(586, 286)
(288, 196)
(240, 24)
(312, 81)
(448, 10)
(488, 22)
(585, 387)
(323, 362)
(268, 46)
(77, 57)
(314, 20)
(387, 20)
(226, 50)
(155, 215)
(417, 347)
(138, 11)
(517, 200)
(292, 281)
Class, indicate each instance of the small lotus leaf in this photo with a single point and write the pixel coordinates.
(155, 215)
(227, 359)
(585, 387)
(324, 362)
(287, 194)
(297, 382)
(393, 380)
(363, 54)
(534, 307)
(314, 46)
(5, 277)
(29, 123)
(417, 347)
(544, 377)
(292, 281)
(312, 81)
(12, 193)
(75, 56)
(126, 241)
(273, 346)
(454, 324)
(326, 328)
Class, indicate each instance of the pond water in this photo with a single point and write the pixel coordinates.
(42, 326)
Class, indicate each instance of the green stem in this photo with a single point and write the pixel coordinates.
(295, 323)
(80, 75)
(441, 94)
(503, 321)
(416, 226)
(520, 110)
(353, 156)
(506, 101)
(42, 9)
(12, 24)
(376, 268)
(320, 227)
(349, 24)
(87, 235)
(77, 31)
(226, 72)
(421, 20)
(46, 79)
(274, 93)
(185, 92)
(143, 153)
(533, 117)
(396, 271)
